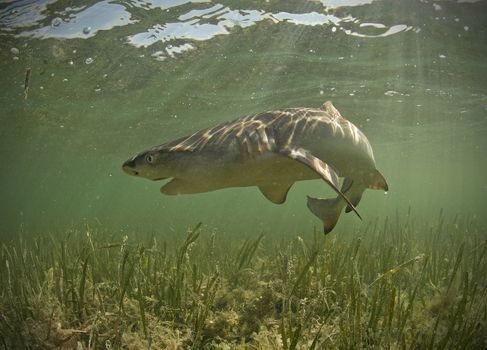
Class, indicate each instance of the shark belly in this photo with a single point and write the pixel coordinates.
(266, 169)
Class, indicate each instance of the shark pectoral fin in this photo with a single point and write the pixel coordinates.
(173, 187)
(327, 210)
(378, 182)
(275, 192)
(326, 172)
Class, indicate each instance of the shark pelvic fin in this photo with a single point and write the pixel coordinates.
(353, 193)
(355, 199)
(327, 210)
(275, 192)
(327, 173)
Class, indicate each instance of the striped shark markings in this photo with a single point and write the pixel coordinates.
(270, 150)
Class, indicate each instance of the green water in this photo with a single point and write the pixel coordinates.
(112, 78)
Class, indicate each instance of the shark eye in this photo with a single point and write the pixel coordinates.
(149, 158)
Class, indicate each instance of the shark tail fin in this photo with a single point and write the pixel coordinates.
(327, 210)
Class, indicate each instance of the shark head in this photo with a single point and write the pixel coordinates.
(151, 164)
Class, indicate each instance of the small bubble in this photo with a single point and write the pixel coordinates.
(65, 79)
(14, 51)
(89, 60)
(41, 87)
(56, 22)
(74, 51)
(385, 192)
(322, 92)
(466, 28)
(15, 58)
(442, 56)
(334, 29)
(70, 62)
(86, 30)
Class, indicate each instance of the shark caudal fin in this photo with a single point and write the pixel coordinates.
(327, 210)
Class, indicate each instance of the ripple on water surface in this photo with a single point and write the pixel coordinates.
(179, 30)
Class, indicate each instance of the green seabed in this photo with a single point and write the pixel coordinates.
(397, 284)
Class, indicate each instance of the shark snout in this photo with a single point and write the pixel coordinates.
(129, 167)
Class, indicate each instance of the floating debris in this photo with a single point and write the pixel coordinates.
(86, 30)
(89, 60)
(26, 83)
(14, 51)
(392, 93)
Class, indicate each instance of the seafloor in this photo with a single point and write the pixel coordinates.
(399, 284)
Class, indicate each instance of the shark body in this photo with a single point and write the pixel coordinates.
(271, 150)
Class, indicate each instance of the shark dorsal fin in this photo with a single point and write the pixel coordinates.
(329, 108)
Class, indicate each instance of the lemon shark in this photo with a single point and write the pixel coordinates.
(270, 150)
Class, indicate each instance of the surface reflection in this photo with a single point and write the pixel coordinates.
(178, 29)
